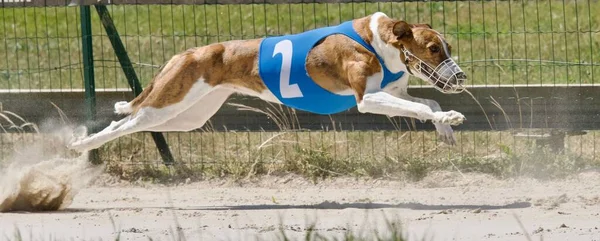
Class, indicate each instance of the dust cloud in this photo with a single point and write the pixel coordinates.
(43, 175)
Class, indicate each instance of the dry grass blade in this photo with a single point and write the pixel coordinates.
(481, 107)
(243, 107)
(527, 236)
(332, 122)
(506, 117)
(269, 140)
(208, 127)
(63, 117)
(2, 126)
(278, 118)
(258, 148)
(285, 120)
(8, 117)
(397, 124)
(29, 124)
(518, 100)
(293, 113)
(14, 115)
(280, 113)
(114, 226)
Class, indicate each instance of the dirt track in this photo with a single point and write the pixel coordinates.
(442, 207)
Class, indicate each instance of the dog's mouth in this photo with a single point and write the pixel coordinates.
(447, 77)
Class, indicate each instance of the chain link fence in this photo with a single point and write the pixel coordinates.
(528, 60)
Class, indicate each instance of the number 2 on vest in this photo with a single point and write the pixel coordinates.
(285, 48)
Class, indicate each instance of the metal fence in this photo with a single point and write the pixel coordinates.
(532, 65)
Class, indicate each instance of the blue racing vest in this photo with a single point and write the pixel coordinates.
(282, 67)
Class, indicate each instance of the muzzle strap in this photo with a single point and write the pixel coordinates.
(406, 59)
(441, 77)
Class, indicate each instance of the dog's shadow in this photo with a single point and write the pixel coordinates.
(324, 206)
(361, 205)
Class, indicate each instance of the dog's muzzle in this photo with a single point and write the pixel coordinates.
(447, 77)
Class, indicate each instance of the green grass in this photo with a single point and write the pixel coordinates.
(40, 47)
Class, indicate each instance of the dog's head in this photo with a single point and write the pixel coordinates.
(427, 56)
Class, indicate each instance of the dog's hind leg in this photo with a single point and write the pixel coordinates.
(144, 119)
(198, 114)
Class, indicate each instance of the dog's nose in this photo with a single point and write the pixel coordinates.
(460, 77)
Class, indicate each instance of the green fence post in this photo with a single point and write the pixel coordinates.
(132, 79)
(88, 75)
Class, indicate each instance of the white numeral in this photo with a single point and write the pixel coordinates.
(286, 50)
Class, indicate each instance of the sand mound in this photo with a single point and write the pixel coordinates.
(37, 178)
(45, 186)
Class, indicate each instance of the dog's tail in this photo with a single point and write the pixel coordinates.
(124, 107)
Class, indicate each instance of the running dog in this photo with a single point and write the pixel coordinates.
(365, 62)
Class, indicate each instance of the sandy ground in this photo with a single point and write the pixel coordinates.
(444, 206)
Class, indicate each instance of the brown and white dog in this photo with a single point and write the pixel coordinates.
(194, 84)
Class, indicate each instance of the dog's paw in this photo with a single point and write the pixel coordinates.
(449, 118)
(445, 134)
(76, 146)
(76, 141)
(80, 132)
(82, 146)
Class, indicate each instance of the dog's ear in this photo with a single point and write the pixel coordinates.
(420, 25)
(402, 30)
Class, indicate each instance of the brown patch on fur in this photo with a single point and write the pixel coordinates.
(338, 63)
(419, 41)
(240, 65)
(361, 26)
(424, 39)
(233, 62)
(174, 81)
(386, 30)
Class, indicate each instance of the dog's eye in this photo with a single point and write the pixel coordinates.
(434, 49)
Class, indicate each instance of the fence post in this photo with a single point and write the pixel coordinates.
(132, 79)
(88, 75)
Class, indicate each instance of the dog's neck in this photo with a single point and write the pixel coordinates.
(381, 29)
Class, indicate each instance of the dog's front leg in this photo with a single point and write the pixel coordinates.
(386, 104)
(445, 132)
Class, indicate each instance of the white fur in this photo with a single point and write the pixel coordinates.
(445, 46)
(198, 114)
(266, 95)
(389, 53)
(145, 119)
(387, 104)
(374, 83)
(348, 91)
